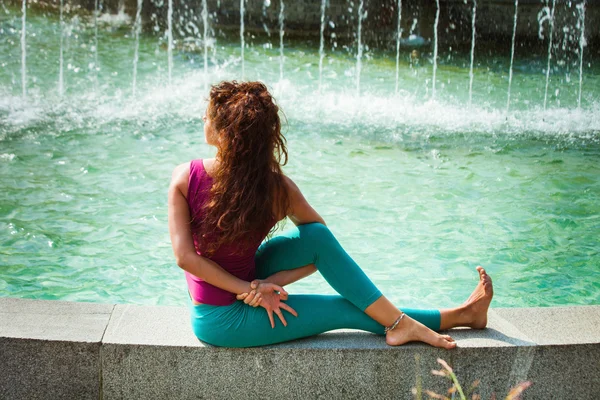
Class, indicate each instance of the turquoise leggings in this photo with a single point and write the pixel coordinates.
(240, 325)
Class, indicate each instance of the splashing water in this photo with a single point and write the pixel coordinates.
(512, 56)
(435, 47)
(359, 53)
(398, 37)
(582, 43)
(205, 42)
(548, 15)
(322, 44)
(61, 59)
(170, 41)
(472, 52)
(281, 32)
(137, 29)
(96, 66)
(242, 41)
(24, 50)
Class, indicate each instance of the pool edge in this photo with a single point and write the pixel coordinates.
(56, 349)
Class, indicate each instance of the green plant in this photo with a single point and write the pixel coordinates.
(456, 390)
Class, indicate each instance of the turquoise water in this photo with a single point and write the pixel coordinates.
(418, 190)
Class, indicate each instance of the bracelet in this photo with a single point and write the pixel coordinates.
(395, 324)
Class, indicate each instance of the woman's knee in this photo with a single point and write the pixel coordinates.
(316, 231)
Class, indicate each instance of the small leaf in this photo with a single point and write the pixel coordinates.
(444, 364)
(433, 395)
(516, 392)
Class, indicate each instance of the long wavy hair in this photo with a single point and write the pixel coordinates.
(248, 196)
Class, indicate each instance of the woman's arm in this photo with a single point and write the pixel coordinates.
(283, 278)
(299, 211)
(183, 243)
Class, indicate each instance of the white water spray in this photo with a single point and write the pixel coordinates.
(281, 33)
(24, 50)
(96, 11)
(137, 27)
(243, 44)
(551, 22)
(472, 52)
(205, 42)
(512, 55)
(398, 36)
(170, 39)
(582, 43)
(435, 46)
(322, 44)
(360, 46)
(61, 58)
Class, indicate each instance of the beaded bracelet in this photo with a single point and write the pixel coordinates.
(394, 325)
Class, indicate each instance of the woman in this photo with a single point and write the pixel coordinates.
(221, 209)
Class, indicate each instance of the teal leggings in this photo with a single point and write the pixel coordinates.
(240, 325)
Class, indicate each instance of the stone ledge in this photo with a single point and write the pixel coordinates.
(55, 349)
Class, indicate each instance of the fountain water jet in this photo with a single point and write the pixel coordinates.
(281, 33)
(581, 9)
(137, 28)
(243, 44)
(61, 58)
(322, 44)
(360, 46)
(398, 36)
(472, 52)
(170, 39)
(512, 55)
(24, 50)
(551, 23)
(205, 42)
(435, 46)
(96, 11)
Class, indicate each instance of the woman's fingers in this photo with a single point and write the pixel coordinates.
(280, 315)
(288, 309)
(270, 314)
(241, 296)
(281, 290)
(250, 297)
(256, 300)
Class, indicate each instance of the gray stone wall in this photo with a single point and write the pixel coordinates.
(62, 350)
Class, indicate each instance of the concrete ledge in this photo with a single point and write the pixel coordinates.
(54, 349)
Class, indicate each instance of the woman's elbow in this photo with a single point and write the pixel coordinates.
(182, 260)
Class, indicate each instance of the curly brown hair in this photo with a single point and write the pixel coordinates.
(248, 195)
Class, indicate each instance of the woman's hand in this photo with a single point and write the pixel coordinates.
(253, 298)
(269, 296)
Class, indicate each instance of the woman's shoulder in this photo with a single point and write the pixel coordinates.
(180, 173)
(290, 186)
(180, 177)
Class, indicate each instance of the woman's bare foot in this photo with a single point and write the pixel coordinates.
(409, 330)
(476, 306)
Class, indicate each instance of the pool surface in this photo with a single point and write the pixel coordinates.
(420, 189)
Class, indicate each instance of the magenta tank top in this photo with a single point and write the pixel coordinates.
(229, 257)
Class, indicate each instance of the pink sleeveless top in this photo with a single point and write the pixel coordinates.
(229, 257)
